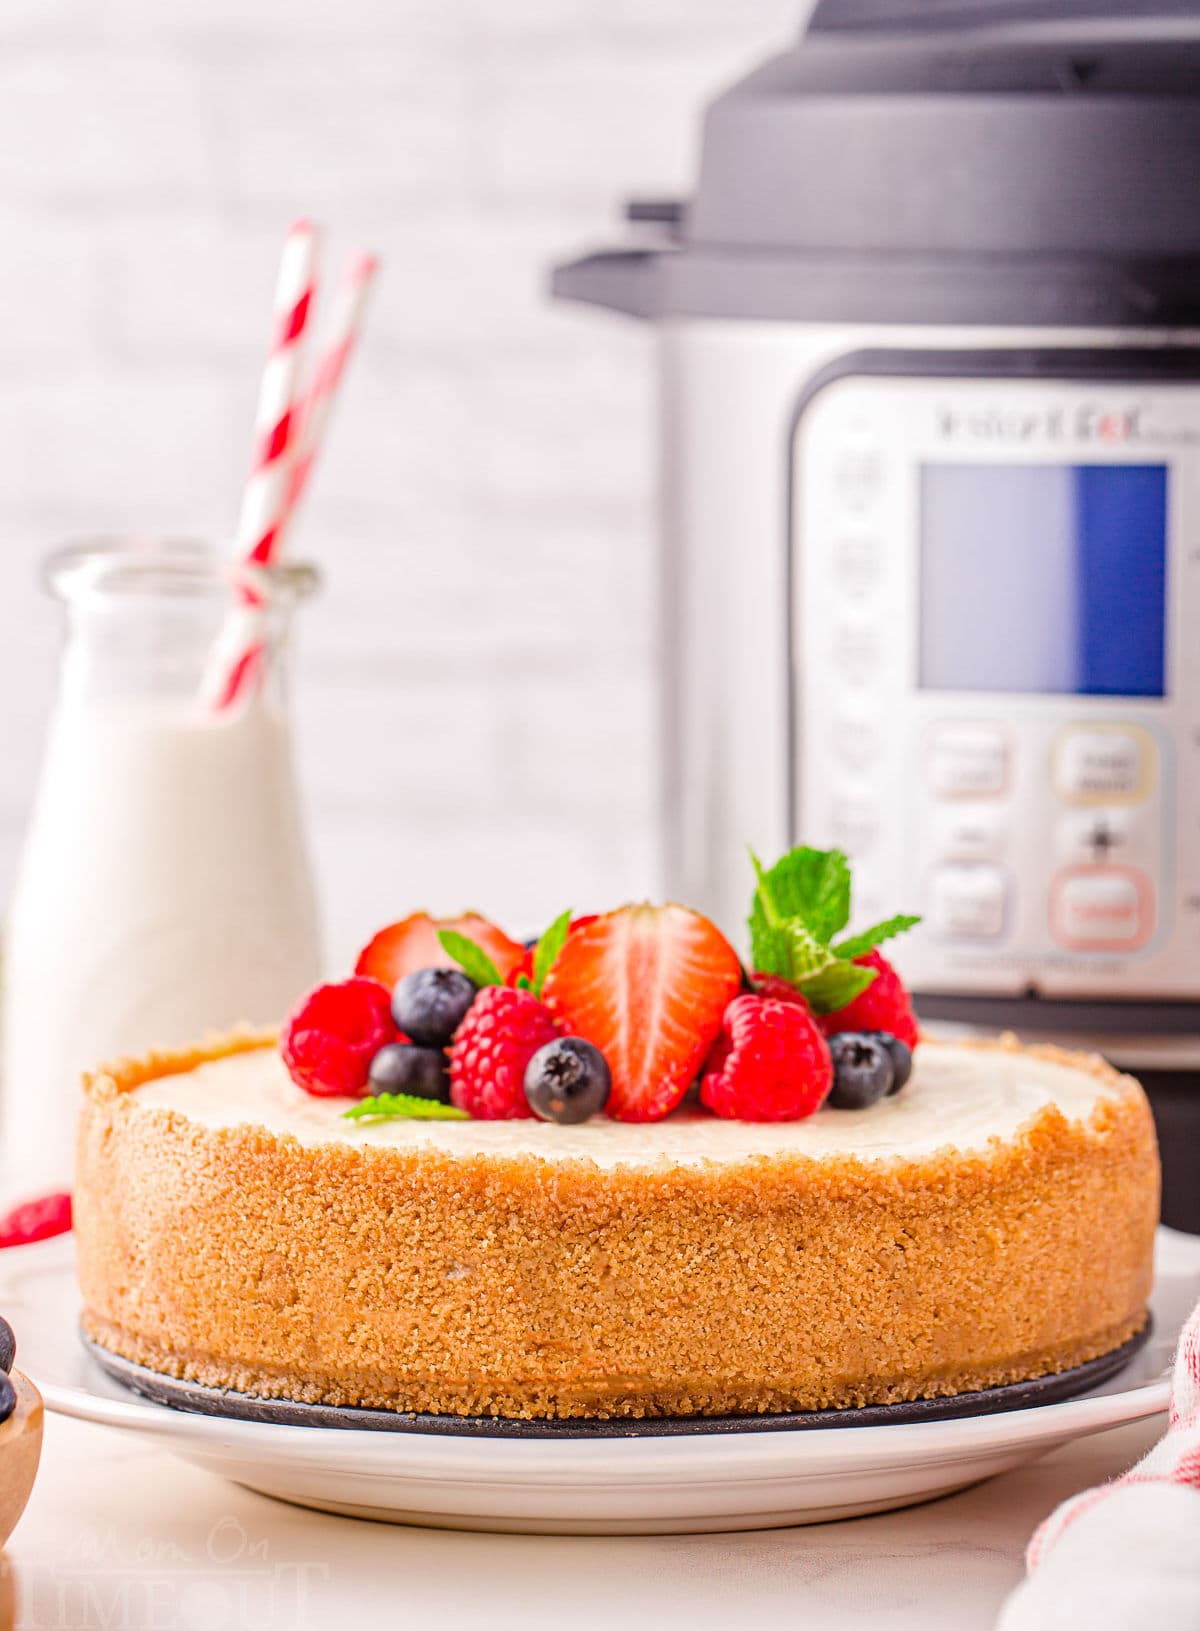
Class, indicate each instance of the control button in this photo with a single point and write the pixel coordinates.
(1102, 763)
(969, 832)
(967, 761)
(856, 650)
(1102, 908)
(968, 902)
(858, 476)
(854, 821)
(856, 560)
(855, 740)
(1097, 835)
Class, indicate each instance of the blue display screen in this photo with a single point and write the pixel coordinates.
(1044, 578)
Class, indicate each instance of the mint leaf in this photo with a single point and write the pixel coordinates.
(548, 948)
(472, 959)
(856, 945)
(800, 904)
(403, 1107)
(835, 986)
(807, 955)
(811, 884)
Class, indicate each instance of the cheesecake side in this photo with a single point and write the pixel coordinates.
(422, 1279)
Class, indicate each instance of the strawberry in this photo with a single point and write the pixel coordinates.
(333, 1033)
(36, 1220)
(883, 1006)
(403, 948)
(647, 985)
(524, 969)
(771, 1063)
(491, 1049)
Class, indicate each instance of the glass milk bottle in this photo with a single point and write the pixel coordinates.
(164, 892)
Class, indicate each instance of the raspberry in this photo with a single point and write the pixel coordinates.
(333, 1033)
(883, 1006)
(771, 1063)
(777, 988)
(36, 1220)
(500, 1035)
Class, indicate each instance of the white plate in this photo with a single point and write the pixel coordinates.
(589, 1486)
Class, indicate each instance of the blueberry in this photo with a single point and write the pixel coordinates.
(862, 1070)
(567, 1080)
(401, 1068)
(900, 1054)
(8, 1346)
(8, 1398)
(431, 1004)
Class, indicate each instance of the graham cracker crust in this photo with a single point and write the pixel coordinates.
(472, 1285)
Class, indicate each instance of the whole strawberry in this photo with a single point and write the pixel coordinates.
(771, 1063)
(883, 1006)
(491, 1049)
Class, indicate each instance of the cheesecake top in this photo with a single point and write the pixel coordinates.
(961, 1095)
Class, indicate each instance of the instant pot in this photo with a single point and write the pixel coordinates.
(930, 359)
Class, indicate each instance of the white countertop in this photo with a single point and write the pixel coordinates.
(123, 1536)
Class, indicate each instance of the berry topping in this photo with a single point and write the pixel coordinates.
(8, 1346)
(332, 1035)
(777, 988)
(492, 1050)
(401, 1068)
(568, 1080)
(900, 1054)
(8, 1398)
(862, 1070)
(526, 973)
(430, 1004)
(41, 1219)
(403, 948)
(771, 1063)
(883, 1006)
(647, 985)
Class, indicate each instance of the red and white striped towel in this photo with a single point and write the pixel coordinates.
(1126, 1555)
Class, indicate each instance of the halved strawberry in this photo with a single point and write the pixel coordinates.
(402, 948)
(647, 985)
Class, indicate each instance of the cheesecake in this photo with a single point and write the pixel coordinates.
(992, 1223)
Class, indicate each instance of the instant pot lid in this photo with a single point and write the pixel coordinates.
(1017, 162)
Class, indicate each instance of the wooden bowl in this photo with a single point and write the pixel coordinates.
(20, 1451)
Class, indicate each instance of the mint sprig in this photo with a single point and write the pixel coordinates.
(472, 959)
(478, 966)
(799, 906)
(857, 945)
(548, 948)
(403, 1107)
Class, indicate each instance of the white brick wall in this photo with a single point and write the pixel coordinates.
(475, 687)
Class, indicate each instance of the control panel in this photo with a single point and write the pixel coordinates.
(995, 698)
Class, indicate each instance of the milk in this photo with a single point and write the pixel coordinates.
(164, 894)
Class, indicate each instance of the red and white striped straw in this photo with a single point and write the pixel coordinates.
(307, 425)
(345, 325)
(266, 495)
(265, 499)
